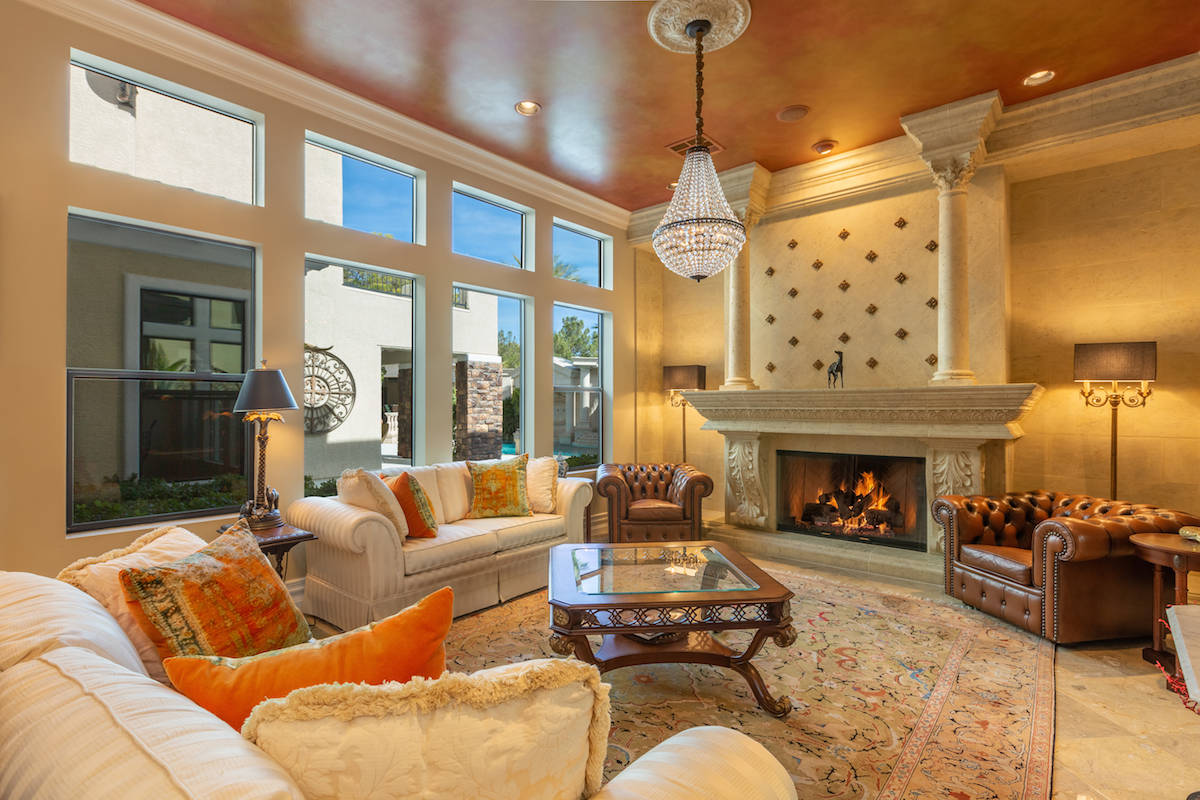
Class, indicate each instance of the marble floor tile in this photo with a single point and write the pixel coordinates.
(1069, 786)
(1128, 767)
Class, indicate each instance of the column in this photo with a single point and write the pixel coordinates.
(737, 315)
(952, 140)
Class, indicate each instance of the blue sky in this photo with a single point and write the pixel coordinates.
(378, 200)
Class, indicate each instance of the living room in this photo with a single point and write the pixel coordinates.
(445, 219)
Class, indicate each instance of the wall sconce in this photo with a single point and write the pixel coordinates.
(677, 380)
(1121, 365)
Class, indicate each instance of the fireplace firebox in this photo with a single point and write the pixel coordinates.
(864, 498)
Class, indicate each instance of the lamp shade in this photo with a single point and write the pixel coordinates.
(689, 376)
(264, 390)
(1116, 361)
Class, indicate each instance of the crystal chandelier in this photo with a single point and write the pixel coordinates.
(699, 235)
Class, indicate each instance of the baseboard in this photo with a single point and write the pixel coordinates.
(295, 588)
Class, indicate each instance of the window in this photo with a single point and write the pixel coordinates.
(578, 386)
(578, 256)
(154, 318)
(119, 123)
(488, 366)
(488, 229)
(358, 370)
(358, 191)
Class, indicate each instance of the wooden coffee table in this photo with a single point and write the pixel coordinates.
(659, 604)
(1166, 551)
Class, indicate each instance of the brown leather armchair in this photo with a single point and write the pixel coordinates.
(653, 502)
(1058, 565)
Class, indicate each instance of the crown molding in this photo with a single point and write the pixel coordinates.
(160, 33)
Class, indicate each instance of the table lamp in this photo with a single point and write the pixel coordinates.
(677, 379)
(1129, 368)
(264, 394)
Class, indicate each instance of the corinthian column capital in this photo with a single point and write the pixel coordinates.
(954, 172)
(952, 137)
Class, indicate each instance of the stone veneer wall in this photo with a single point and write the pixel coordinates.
(479, 409)
(1110, 254)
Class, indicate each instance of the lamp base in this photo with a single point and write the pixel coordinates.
(261, 518)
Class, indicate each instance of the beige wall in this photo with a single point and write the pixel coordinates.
(41, 184)
(1110, 254)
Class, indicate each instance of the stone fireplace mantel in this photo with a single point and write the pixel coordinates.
(950, 424)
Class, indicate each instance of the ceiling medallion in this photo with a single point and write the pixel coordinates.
(699, 235)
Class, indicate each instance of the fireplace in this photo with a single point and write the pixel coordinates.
(866, 498)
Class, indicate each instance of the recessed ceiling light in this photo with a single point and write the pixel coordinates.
(1039, 77)
(792, 113)
(825, 146)
(528, 108)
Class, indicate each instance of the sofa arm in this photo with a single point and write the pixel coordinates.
(572, 499)
(717, 763)
(354, 547)
(610, 483)
(688, 487)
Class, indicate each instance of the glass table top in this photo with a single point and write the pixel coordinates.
(653, 570)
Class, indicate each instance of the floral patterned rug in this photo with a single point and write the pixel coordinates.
(893, 697)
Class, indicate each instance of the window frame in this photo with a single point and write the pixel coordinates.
(185, 94)
(605, 242)
(418, 176)
(604, 373)
(527, 225)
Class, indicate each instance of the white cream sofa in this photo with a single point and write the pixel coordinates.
(360, 569)
(79, 717)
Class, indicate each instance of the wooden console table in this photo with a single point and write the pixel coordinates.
(1165, 550)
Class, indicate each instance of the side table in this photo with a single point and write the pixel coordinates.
(1165, 550)
(276, 542)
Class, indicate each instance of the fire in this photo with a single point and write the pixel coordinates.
(868, 486)
(868, 495)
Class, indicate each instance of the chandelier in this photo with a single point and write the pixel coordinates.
(699, 235)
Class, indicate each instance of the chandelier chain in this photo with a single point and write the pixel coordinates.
(699, 87)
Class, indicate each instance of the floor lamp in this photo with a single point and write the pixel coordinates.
(1128, 368)
(677, 380)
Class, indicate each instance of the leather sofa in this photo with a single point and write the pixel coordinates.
(1058, 565)
(653, 502)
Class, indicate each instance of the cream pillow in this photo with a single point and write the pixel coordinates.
(78, 725)
(98, 576)
(38, 614)
(537, 730)
(427, 477)
(366, 490)
(454, 488)
(541, 484)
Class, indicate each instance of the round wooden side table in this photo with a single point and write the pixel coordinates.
(1181, 555)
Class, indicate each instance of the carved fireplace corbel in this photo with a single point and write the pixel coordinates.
(745, 495)
(955, 467)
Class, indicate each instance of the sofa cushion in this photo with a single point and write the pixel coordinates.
(514, 532)
(537, 730)
(77, 725)
(541, 484)
(98, 576)
(223, 600)
(409, 642)
(1014, 563)
(38, 614)
(453, 544)
(454, 486)
(651, 510)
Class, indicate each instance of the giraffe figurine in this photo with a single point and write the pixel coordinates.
(834, 372)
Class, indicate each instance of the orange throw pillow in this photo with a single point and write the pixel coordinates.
(398, 648)
(225, 599)
(418, 511)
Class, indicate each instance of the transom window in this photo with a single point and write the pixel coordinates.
(359, 190)
(488, 229)
(578, 256)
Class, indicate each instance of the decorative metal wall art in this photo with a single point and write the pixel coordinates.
(792, 244)
(770, 366)
(845, 337)
(931, 359)
(834, 372)
(931, 246)
(900, 223)
(931, 302)
(818, 314)
(818, 364)
(871, 309)
(770, 271)
(844, 235)
(871, 256)
(901, 334)
(818, 264)
(328, 390)
(901, 277)
(872, 363)
(792, 292)
(793, 341)
(844, 285)
(770, 319)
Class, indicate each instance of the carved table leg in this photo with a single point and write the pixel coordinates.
(577, 645)
(776, 707)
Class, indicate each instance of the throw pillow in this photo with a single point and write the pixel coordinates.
(414, 503)
(541, 484)
(366, 490)
(39, 614)
(98, 576)
(428, 476)
(536, 730)
(397, 648)
(223, 600)
(499, 488)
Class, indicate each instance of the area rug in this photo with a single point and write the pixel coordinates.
(893, 696)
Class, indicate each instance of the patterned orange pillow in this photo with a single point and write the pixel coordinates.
(223, 600)
(397, 648)
(499, 488)
(418, 511)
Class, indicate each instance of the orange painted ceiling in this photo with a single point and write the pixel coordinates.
(612, 99)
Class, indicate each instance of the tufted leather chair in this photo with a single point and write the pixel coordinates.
(653, 502)
(1058, 565)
